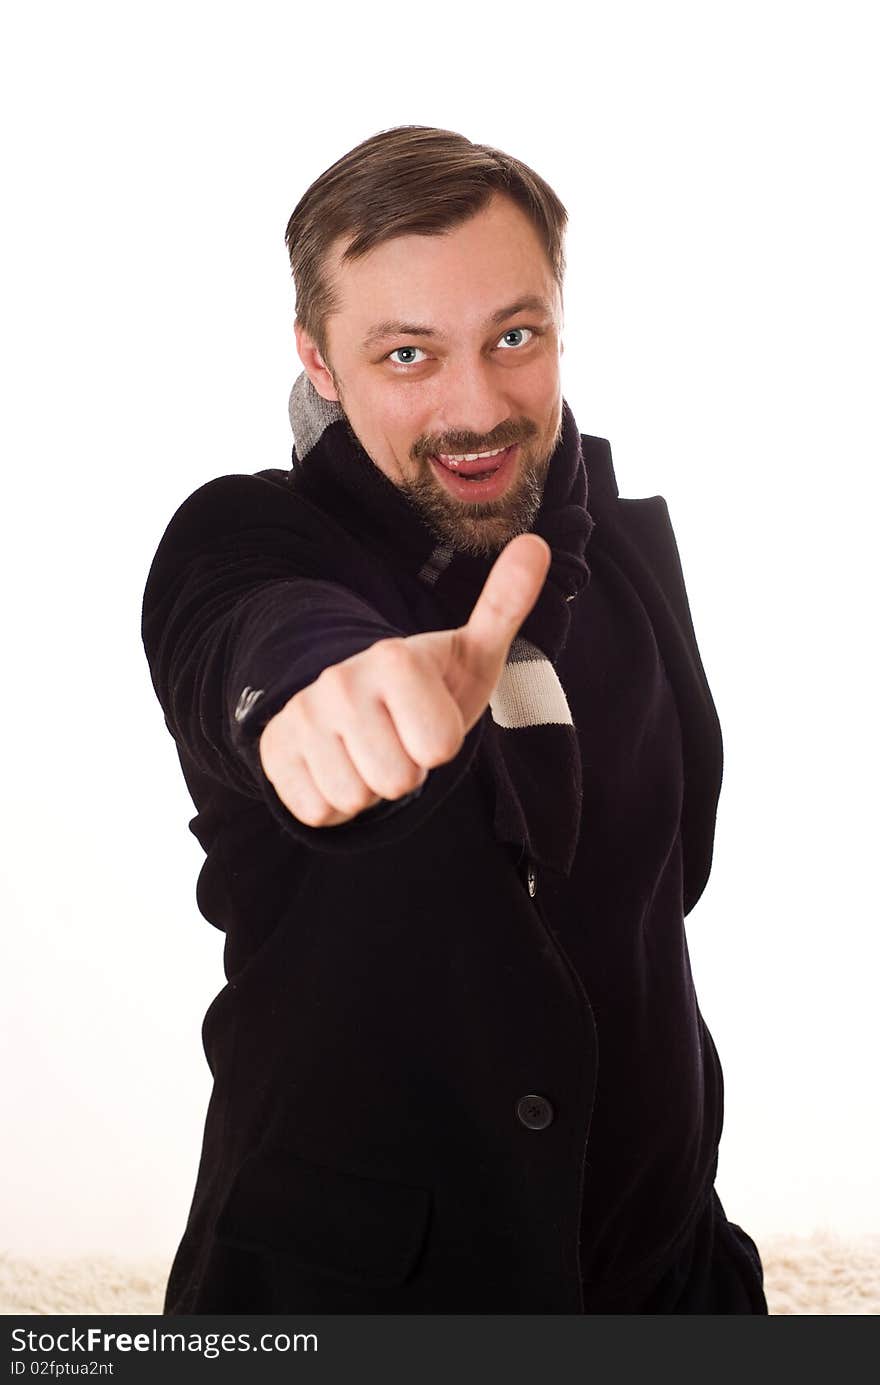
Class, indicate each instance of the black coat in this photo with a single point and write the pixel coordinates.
(444, 1081)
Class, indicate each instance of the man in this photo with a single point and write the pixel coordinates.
(438, 701)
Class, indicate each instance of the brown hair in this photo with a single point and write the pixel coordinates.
(409, 180)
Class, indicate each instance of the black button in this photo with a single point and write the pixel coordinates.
(534, 1111)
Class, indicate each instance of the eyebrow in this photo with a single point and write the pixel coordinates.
(382, 330)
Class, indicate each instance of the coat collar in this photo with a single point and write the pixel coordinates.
(331, 468)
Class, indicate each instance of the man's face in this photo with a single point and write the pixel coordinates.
(447, 345)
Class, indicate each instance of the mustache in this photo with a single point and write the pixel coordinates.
(456, 443)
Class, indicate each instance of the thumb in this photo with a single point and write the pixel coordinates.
(509, 593)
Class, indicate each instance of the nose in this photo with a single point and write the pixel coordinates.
(473, 403)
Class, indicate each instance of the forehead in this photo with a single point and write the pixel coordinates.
(451, 280)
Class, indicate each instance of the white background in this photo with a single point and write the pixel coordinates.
(718, 162)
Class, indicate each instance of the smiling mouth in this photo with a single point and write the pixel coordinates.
(474, 466)
(477, 479)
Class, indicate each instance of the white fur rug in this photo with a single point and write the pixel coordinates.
(819, 1274)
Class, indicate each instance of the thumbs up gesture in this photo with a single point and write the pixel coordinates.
(371, 727)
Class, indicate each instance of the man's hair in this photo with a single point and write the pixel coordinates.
(410, 180)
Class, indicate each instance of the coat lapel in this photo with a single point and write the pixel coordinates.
(639, 536)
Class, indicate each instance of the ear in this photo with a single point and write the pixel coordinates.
(314, 364)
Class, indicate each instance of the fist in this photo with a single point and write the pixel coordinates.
(373, 726)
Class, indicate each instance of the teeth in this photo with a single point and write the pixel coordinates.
(468, 456)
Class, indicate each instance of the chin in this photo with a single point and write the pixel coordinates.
(481, 535)
(484, 540)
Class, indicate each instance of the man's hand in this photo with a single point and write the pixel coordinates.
(371, 727)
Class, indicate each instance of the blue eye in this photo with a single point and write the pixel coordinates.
(398, 349)
(512, 331)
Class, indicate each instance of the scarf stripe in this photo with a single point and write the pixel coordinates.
(529, 693)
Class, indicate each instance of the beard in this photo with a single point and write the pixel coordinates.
(481, 528)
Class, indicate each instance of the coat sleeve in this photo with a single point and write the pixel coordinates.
(234, 624)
